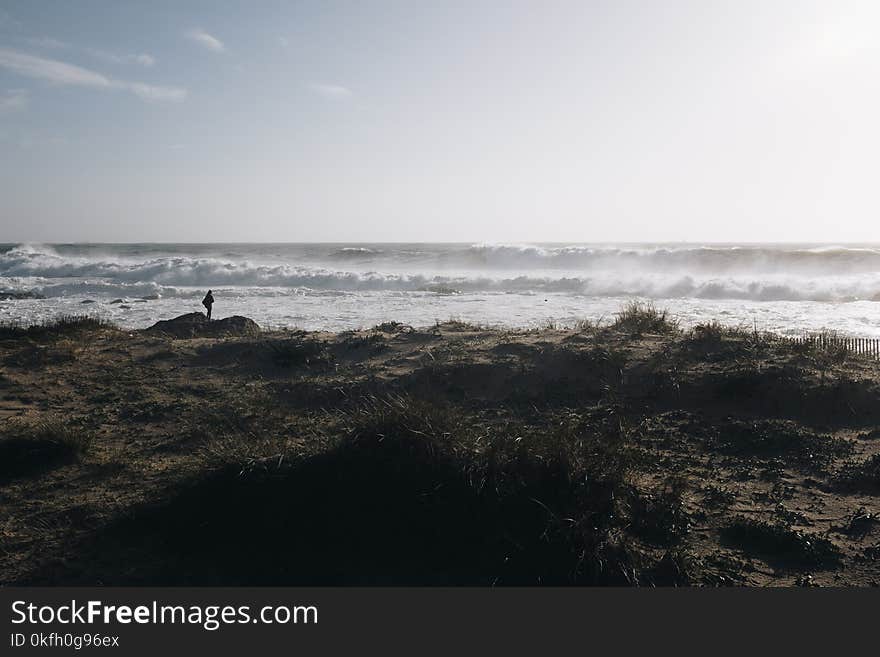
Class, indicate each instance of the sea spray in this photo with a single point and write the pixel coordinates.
(517, 285)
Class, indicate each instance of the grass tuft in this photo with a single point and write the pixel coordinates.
(588, 325)
(454, 325)
(863, 476)
(781, 544)
(767, 439)
(392, 327)
(64, 325)
(637, 318)
(298, 352)
(375, 340)
(661, 518)
(409, 491)
(28, 449)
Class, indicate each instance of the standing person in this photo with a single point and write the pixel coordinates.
(207, 302)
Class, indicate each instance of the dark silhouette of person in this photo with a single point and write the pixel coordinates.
(207, 302)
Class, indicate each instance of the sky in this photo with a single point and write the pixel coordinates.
(476, 121)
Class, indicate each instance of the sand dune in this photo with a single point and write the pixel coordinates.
(634, 454)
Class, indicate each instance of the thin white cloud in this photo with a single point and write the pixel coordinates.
(284, 42)
(333, 91)
(58, 72)
(150, 92)
(205, 40)
(51, 70)
(13, 100)
(142, 59)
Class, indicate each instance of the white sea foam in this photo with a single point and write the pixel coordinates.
(797, 286)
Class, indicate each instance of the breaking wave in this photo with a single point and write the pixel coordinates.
(757, 273)
(808, 260)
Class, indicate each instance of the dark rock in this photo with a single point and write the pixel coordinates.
(196, 325)
(11, 296)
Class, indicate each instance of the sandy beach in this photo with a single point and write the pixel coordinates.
(635, 453)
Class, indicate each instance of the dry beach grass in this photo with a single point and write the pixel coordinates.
(631, 454)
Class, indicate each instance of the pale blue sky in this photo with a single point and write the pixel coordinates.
(454, 121)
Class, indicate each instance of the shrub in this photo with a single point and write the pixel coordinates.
(392, 327)
(588, 325)
(296, 352)
(359, 341)
(712, 335)
(559, 497)
(661, 518)
(714, 495)
(712, 332)
(411, 492)
(63, 325)
(781, 544)
(454, 325)
(863, 476)
(778, 438)
(637, 318)
(33, 448)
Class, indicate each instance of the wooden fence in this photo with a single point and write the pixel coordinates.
(865, 346)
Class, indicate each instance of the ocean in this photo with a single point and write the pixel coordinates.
(788, 289)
